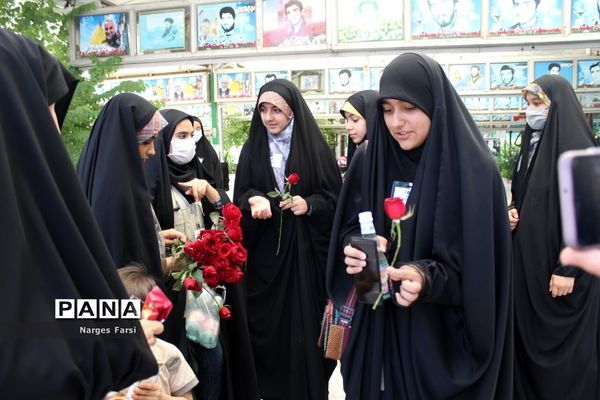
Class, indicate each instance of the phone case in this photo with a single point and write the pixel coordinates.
(579, 192)
(368, 281)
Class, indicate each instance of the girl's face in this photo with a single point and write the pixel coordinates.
(184, 130)
(147, 149)
(534, 102)
(273, 118)
(356, 127)
(407, 123)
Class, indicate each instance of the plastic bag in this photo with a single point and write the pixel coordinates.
(202, 317)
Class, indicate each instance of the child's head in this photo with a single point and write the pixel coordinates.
(136, 280)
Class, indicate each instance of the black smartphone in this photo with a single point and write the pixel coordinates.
(579, 187)
(368, 281)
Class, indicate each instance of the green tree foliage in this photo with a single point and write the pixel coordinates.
(42, 22)
(235, 133)
(507, 159)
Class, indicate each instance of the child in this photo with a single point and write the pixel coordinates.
(175, 376)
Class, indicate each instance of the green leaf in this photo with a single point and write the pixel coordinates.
(286, 196)
(176, 275)
(177, 286)
(215, 217)
(274, 194)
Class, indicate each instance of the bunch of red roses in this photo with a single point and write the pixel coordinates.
(216, 257)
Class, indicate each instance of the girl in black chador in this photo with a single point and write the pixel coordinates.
(449, 335)
(557, 308)
(286, 288)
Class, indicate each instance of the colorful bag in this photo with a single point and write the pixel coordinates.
(335, 327)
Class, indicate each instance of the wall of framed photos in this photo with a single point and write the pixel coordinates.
(211, 57)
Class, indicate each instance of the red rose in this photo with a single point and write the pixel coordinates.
(224, 250)
(209, 273)
(234, 232)
(293, 179)
(231, 274)
(191, 284)
(394, 208)
(231, 212)
(224, 313)
(238, 254)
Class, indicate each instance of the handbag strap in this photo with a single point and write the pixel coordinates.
(347, 309)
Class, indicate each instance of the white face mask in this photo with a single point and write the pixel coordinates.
(536, 118)
(182, 151)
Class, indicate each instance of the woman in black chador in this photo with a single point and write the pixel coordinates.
(451, 336)
(176, 172)
(357, 110)
(286, 291)
(51, 246)
(557, 308)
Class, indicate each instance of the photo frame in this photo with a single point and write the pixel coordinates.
(157, 89)
(525, 17)
(356, 21)
(562, 68)
(588, 73)
(226, 25)
(508, 76)
(260, 78)
(309, 81)
(589, 100)
(162, 30)
(302, 23)
(318, 106)
(346, 80)
(233, 85)
(189, 88)
(102, 35)
(443, 19)
(374, 77)
(507, 103)
(585, 16)
(476, 103)
(468, 77)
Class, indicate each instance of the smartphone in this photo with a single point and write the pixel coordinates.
(579, 187)
(367, 281)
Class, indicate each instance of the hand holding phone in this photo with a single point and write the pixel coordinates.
(579, 188)
(368, 281)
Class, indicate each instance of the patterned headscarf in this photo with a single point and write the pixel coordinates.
(156, 124)
(276, 99)
(534, 88)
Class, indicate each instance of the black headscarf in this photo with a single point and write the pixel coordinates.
(162, 172)
(210, 158)
(52, 249)
(557, 339)
(455, 341)
(110, 170)
(288, 288)
(365, 102)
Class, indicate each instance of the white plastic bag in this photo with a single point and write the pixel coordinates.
(202, 317)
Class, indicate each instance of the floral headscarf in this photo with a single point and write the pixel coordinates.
(535, 89)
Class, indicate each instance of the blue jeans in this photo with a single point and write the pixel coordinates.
(207, 365)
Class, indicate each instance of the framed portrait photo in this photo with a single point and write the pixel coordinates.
(585, 16)
(507, 102)
(189, 88)
(589, 100)
(468, 77)
(477, 103)
(374, 77)
(226, 25)
(157, 89)
(442, 19)
(525, 17)
(346, 80)
(260, 78)
(562, 68)
(588, 73)
(233, 85)
(309, 81)
(161, 30)
(102, 35)
(294, 22)
(507, 76)
(369, 20)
